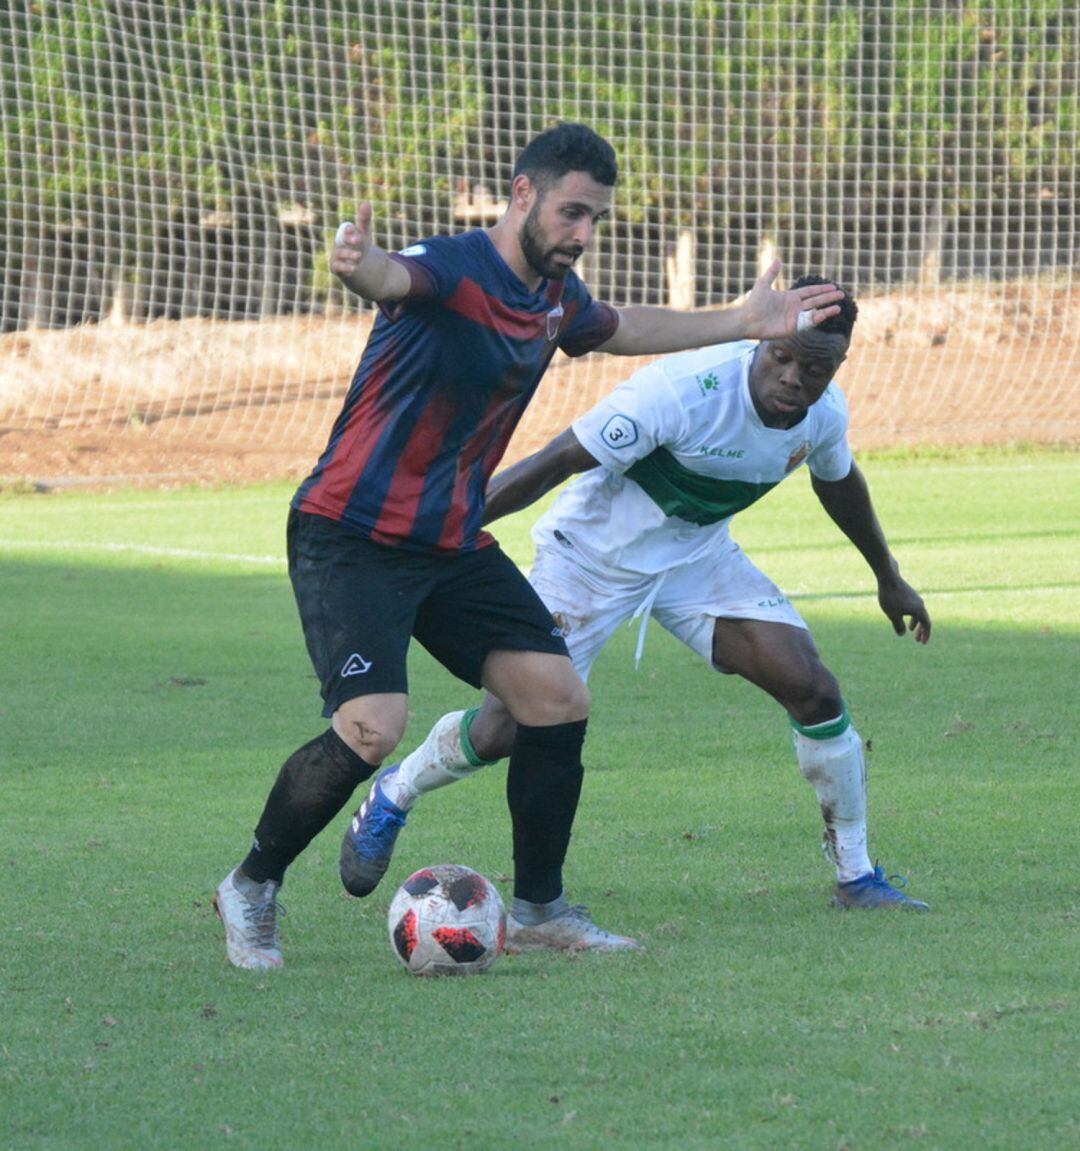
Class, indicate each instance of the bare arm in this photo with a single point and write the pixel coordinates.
(848, 503)
(762, 314)
(363, 267)
(526, 481)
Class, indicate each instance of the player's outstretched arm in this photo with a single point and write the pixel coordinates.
(848, 503)
(362, 266)
(762, 314)
(525, 482)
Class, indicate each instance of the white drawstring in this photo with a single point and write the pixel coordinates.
(644, 610)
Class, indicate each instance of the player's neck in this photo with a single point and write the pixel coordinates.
(506, 243)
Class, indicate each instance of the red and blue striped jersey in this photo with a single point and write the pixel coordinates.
(445, 377)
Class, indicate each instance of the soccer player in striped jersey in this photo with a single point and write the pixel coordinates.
(666, 460)
(385, 536)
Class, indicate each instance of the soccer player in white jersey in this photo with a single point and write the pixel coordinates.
(666, 460)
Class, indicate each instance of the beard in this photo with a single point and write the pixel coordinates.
(534, 247)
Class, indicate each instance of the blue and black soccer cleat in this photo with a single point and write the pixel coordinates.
(369, 841)
(874, 890)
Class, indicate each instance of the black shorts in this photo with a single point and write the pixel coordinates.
(360, 603)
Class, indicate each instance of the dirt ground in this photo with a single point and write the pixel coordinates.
(208, 402)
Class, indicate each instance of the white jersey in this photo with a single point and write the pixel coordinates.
(682, 449)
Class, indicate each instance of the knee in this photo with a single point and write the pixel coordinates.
(815, 698)
(564, 700)
(371, 732)
(573, 701)
(372, 744)
(539, 689)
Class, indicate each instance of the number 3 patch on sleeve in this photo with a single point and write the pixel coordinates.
(619, 432)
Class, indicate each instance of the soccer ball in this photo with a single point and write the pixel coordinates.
(447, 920)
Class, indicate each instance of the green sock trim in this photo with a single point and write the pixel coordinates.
(466, 742)
(830, 729)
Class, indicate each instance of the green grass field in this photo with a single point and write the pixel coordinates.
(154, 678)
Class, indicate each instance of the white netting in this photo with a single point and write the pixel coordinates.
(174, 171)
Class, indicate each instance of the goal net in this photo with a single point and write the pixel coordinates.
(174, 172)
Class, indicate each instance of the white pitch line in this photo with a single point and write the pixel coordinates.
(139, 549)
(279, 561)
(933, 468)
(934, 596)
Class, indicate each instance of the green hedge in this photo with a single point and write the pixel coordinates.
(130, 114)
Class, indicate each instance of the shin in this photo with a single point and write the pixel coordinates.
(830, 757)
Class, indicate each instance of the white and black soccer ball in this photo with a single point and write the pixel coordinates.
(447, 920)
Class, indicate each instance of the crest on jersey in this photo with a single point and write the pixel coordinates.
(554, 319)
(797, 456)
(413, 250)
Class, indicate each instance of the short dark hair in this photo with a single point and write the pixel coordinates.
(567, 148)
(844, 321)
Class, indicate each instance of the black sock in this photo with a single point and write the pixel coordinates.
(543, 785)
(314, 784)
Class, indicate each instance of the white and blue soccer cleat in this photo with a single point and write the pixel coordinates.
(874, 890)
(369, 841)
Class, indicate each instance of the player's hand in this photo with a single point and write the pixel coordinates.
(905, 609)
(772, 315)
(352, 243)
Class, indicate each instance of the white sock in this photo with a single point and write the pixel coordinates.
(832, 761)
(443, 758)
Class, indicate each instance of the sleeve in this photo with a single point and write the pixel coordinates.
(591, 324)
(433, 270)
(640, 415)
(831, 458)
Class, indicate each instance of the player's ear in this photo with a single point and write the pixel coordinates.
(522, 192)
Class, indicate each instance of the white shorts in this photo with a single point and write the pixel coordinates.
(589, 604)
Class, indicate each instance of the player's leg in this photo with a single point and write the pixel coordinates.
(318, 779)
(462, 742)
(549, 702)
(499, 618)
(550, 705)
(588, 607)
(465, 611)
(447, 755)
(783, 660)
(458, 745)
(523, 662)
(737, 619)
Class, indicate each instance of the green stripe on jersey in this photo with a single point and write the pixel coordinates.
(701, 500)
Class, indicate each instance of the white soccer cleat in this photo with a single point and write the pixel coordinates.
(571, 930)
(251, 938)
